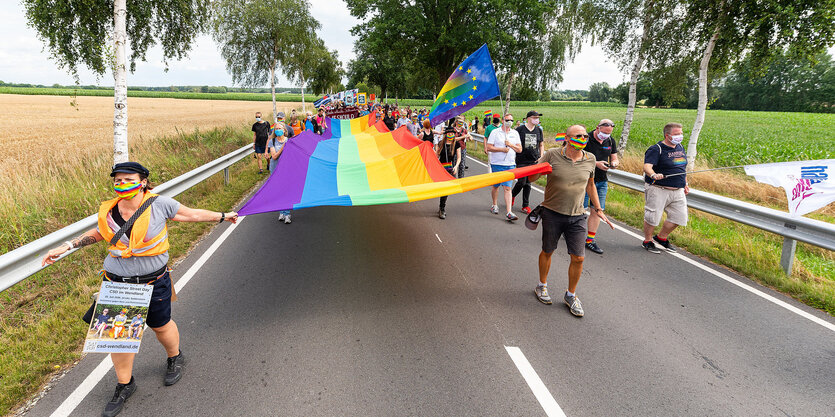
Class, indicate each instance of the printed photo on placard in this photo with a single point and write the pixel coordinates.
(118, 318)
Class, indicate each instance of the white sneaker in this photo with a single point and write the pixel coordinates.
(494, 209)
(287, 219)
(281, 217)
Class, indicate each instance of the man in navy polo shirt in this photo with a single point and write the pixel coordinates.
(665, 192)
(605, 151)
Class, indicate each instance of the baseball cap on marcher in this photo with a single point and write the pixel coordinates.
(533, 218)
(130, 168)
(533, 113)
(280, 115)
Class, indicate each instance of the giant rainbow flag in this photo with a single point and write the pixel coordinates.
(359, 162)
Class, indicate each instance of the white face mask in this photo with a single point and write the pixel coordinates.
(676, 139)
(508, 123)
(602, 135)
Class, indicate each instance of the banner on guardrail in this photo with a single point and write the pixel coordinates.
(809, 185)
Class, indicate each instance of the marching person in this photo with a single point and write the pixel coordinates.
(320, 121)
(449, 153)
(533, 146)
(260, 129)
(572, 175)
(275, 146)
(663, 194)
(502, 147)
(140, 256)
(462, 135)
(605, 151)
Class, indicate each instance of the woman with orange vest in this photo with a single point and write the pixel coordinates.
(140, 256)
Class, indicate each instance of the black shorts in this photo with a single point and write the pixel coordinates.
(159, 312)
(573, 228)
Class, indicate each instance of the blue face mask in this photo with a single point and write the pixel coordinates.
(257, 119)
(279, 133)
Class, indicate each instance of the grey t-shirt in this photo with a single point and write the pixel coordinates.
(162, 209)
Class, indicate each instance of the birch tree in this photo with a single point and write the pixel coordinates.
(258, 38)
(94, 34)
(760, 30)
(639, 34)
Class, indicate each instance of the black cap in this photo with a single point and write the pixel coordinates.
(130, 168)
(533, 113)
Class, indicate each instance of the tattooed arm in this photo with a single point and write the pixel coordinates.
(88, 238)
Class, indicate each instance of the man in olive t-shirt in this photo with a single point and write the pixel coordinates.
(571, 177)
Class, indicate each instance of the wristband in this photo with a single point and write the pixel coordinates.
(222, 218)
(69, 244)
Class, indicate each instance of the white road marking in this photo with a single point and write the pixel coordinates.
(439, 238)
(725, 277)
(546, 400)
(75, 398)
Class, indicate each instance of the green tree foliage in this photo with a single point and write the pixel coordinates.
(78, 32)
(786, 85)
(258, 38)
(600, 92)
(327, 73)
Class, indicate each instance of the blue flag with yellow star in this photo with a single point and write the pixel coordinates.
(472, 82)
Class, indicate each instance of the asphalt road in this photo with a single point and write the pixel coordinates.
(390, 311)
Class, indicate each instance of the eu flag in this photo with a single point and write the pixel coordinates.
(473, 81)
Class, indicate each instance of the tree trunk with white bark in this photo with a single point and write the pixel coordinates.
(120, 84)
(702, 108)
(507, 98)
(630, 107)
(272, 89)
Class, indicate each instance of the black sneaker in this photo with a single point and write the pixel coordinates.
(650, 247)
(123, 392)
(592, 246)
(665, 244)
(174, 371)
(441, 214)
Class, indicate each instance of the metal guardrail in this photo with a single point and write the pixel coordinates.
(792, 228)
(25, 261)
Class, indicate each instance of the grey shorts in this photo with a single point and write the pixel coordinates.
(659, 200)
(573, 228)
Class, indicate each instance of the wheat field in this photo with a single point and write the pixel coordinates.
(42, 130)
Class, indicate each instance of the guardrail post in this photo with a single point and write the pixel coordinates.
(787, 257)
(226, 176)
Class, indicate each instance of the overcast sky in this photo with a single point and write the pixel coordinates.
(23, 59)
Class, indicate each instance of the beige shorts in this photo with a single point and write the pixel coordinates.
(659, 200)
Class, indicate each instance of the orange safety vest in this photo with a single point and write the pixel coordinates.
(140, 244)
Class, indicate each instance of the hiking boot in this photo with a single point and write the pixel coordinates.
(174, 371)
(512, 217)
(441, 214)
(541, 292)
(592, 246)
(650, 247)
(574, 305)
(122, 393)
(494, 209)
(665, 244)
(286, 219)
(526, 210)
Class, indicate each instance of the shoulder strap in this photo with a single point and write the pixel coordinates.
(128, 224)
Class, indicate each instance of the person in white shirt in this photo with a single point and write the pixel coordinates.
(502, 146)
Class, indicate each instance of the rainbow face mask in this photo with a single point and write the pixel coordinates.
(578, 143)
(127, 190)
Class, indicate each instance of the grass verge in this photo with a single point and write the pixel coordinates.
(747, 250)
(40, 327)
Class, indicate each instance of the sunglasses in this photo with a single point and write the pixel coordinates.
(580, 136)
(508, 120)
(607, 124)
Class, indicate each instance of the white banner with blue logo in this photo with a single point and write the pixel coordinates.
(809, 185)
